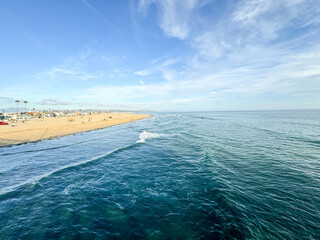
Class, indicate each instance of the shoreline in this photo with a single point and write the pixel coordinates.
(36, 130)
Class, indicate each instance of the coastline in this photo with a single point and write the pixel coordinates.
(42, 129)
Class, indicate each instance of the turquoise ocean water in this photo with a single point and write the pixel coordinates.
(213, 175)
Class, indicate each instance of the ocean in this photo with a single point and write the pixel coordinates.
(204, 175)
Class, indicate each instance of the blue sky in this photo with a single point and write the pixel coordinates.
(163, 55)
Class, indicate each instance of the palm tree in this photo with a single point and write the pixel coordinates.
(17, 101)
(25, 106)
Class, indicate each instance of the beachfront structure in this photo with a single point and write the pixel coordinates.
(4, 117)
(28, 115)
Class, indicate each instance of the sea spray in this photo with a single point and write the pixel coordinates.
(148, 135)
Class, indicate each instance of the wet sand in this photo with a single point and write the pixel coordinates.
(40, 129)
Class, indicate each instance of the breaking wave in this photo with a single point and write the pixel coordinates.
(148, 135)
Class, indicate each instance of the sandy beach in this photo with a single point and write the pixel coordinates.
(40, 129)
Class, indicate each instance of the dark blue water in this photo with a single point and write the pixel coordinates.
(218, 175)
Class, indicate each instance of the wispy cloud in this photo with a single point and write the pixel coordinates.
(175, 16)
(142, 73)
(246, 82)
(265, 19)
(60, 74)
(54, 102)
(169, 74)
(161, 65)
(249, 54)
(209, 53)
(7, 99)
(142, 82)
(98, 14)
(143, 6)
(88, 64)
(71, 104)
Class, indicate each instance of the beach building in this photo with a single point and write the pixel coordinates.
(4, 117)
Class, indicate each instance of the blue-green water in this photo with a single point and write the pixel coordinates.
(218, 175)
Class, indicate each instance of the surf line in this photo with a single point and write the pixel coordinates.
(142, 139)
(36, 179)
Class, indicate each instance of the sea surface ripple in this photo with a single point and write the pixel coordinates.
(209, 175)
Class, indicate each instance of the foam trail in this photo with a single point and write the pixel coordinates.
(142, 138)
(148, 135)
(38, 178)
(46, 149)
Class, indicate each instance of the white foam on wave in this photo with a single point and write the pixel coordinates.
(66, 190)
(35, 180)
(148, 135)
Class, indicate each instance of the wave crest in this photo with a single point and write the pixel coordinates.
(148, 135)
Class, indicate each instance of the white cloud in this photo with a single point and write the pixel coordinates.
(210, 44)
(167, 62)
(142, 73)
(97, 13)
(169, 75)
(59, 74)
(85, 76)
(55, 71)
(142, 82)
(258, 49)
(54, 101)
(88, 64)
(159, 66)
(7, 99)
(253, 77)
(249, 11)
(175, 16)
(143, 5)
(266, 19)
